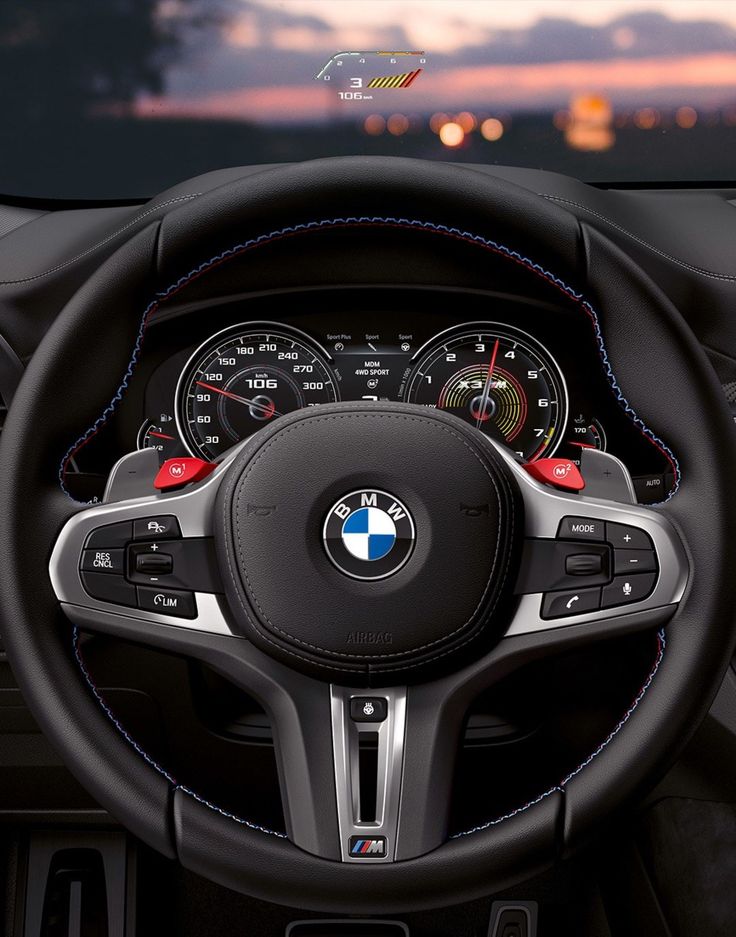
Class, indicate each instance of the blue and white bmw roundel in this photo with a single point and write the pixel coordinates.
(369, 534)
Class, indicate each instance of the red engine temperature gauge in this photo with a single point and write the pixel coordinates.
(497, 378)
(585, 433)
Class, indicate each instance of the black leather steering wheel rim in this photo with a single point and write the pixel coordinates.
(676, 392)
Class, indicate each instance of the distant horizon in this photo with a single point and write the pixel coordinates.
(260, 64)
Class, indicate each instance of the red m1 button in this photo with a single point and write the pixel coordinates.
(562, 473)
(175, 473)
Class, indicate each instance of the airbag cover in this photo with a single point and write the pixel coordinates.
(289, 597)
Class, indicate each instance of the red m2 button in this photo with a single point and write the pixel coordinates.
(562, 473)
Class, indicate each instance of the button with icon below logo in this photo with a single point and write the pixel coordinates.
(368, 709)
(562, 604)
(626, 589)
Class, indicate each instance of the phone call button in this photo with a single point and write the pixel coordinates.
(562, 604)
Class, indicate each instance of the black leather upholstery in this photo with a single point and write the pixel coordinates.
(657, 362)
(295, 604)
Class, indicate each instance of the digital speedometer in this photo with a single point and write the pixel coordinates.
(241, 379)
(497, 378)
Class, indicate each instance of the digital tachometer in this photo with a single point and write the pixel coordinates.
(364, 76)
(498, 379)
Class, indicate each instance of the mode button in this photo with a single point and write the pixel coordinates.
(581, 528)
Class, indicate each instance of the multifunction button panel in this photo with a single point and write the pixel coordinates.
(147, 564)
(591, 565)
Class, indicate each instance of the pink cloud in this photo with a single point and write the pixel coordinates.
(488, 86)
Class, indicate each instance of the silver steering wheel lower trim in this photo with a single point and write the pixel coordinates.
(373, 838)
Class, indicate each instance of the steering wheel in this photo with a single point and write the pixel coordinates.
(279, 610)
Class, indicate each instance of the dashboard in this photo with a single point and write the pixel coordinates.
(523, 371)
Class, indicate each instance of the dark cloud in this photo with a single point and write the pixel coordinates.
(214, 65)
(636, 35)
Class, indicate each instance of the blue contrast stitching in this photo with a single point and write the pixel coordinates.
(116, 399)
(146, 757)
(374, 220)
(662, 643)
(109, 713)
(230, 816)
(388, 222)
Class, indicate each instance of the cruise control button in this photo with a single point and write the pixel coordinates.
(584, 564)
(154, 564)
(626, 589)
(634, 561)
(167, 602)
(624, 537)
(556, 565)
(109, 588)
(103, 561)
(191, 564)
(581, 528)
(562, 604)
(368, 709)
(156, 528)
(110, 536)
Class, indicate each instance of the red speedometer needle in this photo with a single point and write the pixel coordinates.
(266, 408)
(487, 386)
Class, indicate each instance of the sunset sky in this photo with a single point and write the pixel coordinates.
(447, 24)
(482, 54)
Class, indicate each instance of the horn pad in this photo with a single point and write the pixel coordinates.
(372, 541)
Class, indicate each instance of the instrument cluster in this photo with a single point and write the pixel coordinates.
(493, 376)
(521, 371)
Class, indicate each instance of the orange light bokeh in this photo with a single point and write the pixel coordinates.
(452, 134)
(686, 117)
(397, 124)
(374, 125)
(647, 118)
(467, 121)
(491, 129)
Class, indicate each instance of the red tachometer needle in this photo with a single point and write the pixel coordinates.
(266, 408)
(487, 386)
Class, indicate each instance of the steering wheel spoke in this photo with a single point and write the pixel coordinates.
(593, 564)
(127, 566)
(394, 754)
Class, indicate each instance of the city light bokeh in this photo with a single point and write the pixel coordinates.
(605, 90)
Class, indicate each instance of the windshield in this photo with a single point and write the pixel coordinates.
(122, 98)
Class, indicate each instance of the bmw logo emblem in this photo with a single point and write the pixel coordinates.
(368, 534)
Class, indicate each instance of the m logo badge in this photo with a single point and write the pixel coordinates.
(362, 848)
